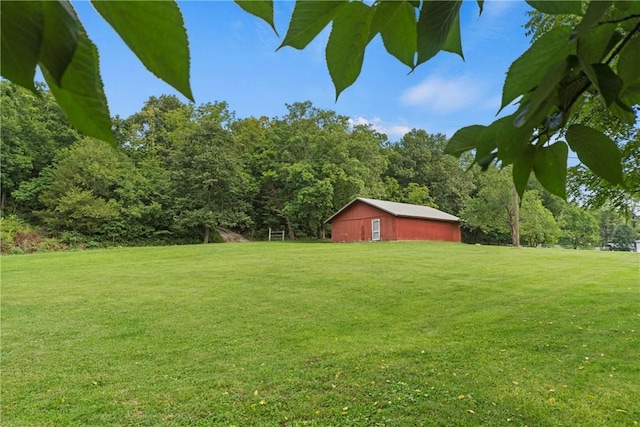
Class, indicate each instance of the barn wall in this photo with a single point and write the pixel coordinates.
(354, 224)
(424, 229)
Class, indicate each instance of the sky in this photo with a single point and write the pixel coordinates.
(234, 59)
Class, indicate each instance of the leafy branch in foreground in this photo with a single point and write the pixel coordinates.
(566, 66)
(49, 35)
(596, 55)
(554, 79)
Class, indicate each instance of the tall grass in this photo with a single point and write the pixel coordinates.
(389, 334)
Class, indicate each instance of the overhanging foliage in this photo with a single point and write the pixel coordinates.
(551, 81)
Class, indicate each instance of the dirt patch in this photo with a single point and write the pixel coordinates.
(229, 236)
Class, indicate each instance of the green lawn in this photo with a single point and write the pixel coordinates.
(392, 334)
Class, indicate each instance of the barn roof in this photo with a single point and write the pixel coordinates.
(401, 209)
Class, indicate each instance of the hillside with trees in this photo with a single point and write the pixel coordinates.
(175, 172)
(179, 171)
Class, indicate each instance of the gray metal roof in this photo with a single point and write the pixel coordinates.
(402, 209)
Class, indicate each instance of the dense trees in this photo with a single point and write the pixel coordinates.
(308, 163)
(495, 210)
(623, 237)
(418, 160)
(209, 185)
(83, 186)
(578, 82)
(181, 171)
(579, 227)
(33, 130)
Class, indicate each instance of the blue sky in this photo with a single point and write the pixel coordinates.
(234, 59)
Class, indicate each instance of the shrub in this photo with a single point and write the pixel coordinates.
(623, 237)
(19, 237)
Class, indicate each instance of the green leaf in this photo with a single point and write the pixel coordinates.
(511, 139)
(396, 23)
(434, 24)
(605, 80)
(628, 69)
(595, 11)
(487, 141)
(263, 9)
(21, 27)
(616, 38)
(522, 167)
(570, 89)
(628, 61)
(628, 25)
(550, 167)
(526, 72)
(308, 19)
(81, 95)
(631, 96)
(59, 41)
(347, 42)
(557, 7)
(623, 112)
(463, 140)
(154, 31)
(597, 151)
(485, 161)
(627, 7)
(453, 43)
(592, 44)
(480, 6)
(546, 94)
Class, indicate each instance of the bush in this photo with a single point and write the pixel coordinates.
(49, 245)
(623, 237)
(73, 239)
(19, 237)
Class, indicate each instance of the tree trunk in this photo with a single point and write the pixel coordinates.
(207, 229)
(515, 227)
(292, 235)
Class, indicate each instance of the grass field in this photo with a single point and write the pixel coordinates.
(389, 334)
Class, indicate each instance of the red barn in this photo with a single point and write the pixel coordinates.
(364, 220)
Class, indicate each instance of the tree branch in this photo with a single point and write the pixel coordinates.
(586, 85)
(617, 21)
(624, 41)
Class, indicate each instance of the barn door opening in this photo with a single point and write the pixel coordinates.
(375, 229)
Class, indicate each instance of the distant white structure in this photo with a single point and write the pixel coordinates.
(276, 235)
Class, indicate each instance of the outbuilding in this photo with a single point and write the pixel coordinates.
(363, 220)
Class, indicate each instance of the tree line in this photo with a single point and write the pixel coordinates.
(180, 171)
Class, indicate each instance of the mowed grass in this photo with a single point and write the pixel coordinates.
(389, 334)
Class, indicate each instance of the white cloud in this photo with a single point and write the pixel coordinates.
(444, 95)
(392, 130)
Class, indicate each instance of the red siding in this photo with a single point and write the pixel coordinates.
(424, 229)
(354, 225)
